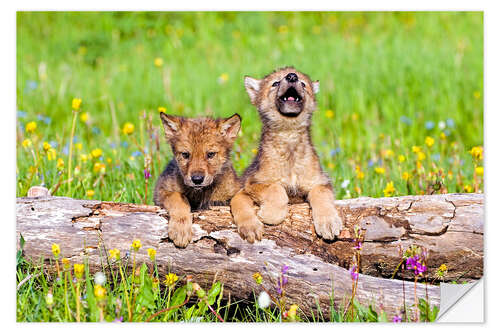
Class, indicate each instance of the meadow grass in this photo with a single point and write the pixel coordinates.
(400, 109)
(388, 81)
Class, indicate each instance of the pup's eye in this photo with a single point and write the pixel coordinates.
(303, 84)
(277, 83)
(211, 154)
(185, 155)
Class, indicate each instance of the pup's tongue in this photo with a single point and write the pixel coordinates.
(290, 98)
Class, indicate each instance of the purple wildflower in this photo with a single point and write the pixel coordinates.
(397, 319)
(357, 246)
(147, 175)
(414, 263)
(354, 272)
(284, 269)
(118, 320)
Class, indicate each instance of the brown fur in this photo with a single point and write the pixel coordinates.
(194, 142)
(286, 168)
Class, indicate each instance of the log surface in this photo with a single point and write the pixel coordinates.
(449, 226)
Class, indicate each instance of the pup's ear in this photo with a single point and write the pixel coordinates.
(171, 125)
(316, 87)
(230, 127)
(252, 86)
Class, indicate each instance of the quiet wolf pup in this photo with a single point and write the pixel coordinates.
(200, 174)
(286, 167)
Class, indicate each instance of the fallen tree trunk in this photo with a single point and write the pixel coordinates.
(449, 226)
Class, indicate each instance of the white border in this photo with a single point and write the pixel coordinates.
(7, 132)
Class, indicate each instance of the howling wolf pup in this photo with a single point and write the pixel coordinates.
(286, 167)
(200, 174)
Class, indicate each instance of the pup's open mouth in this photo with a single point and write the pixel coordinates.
(291, 95)
(290, 104)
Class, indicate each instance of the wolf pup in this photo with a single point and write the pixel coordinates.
(286, 167)
(200, 174)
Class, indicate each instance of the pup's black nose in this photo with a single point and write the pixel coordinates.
(197, 178)
(292, 77)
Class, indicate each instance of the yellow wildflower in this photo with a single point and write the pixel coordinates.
(355, 116)
(114, 254)
(158, 62)
(329, 114)
(170, 279)
(421, 156)
(99, 291)
(132, 158)
(477, 94)
(331, 165)
(78, 146)
(26, 143)
(56, 250)
(401, 158)
(380, 170)
(84, 117)
(152, 254)
(429, 141)
(477, 152)
(359, 174)
(51, 154)
(405, 176)
(65, 262)
(450, 175)
(442, 136)
(223, 78)
(283, 29)
(479, 170)
(416, 149)
(162, 109)
(387, 153)
(60, 163)
(46, 146)
(31, 127)
(76, 103)
(109, 160)
(443, 268)
(468, 188)
(128, 128)
(257, 277)
(254, 151)
(84, 157)
(292, 312)
(79, 268)
(136, 244)
(90, 193)
(389, 189)
(96, 153)
(99, 167)
(419, 165)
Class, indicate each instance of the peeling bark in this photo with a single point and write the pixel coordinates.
(450, 227)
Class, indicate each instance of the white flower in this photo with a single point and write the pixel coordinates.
(441, 125)
(100, 278)
(49, 299)
(345, 183)
(264, 300)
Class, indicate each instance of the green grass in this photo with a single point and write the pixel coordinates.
(378, 72)
(388, 81)
(52, 290)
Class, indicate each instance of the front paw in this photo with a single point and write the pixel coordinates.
(251, 230)
(327, 223)
(180, 230)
